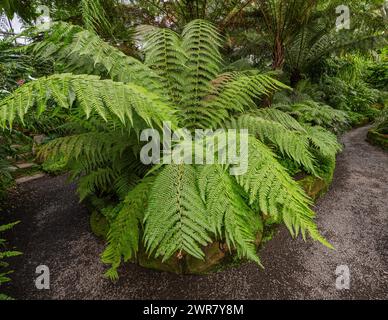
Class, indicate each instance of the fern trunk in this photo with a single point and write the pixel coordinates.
(279, 54)
(295, 78)
(277, 64)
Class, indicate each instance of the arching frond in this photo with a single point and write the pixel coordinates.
(234, 93)
(315, 113)
(324, 141)
(100, 179)
(81, 51)
(94, 15)
(292, 143)
(201, 42)
(277, 194)
(231, 218)
(133, 106)
(100, 146)
(238, 93)
(281, 117)
(124, 233)
(164, 54)
(176, 219)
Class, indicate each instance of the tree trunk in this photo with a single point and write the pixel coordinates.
(278, 54)
(277, 64)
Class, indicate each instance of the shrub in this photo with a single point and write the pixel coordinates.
(381, 125)
(316, 114)
(377, 75)
(342, 95)
(5, 254)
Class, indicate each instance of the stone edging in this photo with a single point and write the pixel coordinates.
(377, 139)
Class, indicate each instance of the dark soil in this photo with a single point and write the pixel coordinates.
(353, 216)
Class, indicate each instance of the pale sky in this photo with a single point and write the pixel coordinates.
(16, 24)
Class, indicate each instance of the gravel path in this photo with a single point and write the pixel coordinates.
(353, 216)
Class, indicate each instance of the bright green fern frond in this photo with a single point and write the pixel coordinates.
(232, 219)
(133, 106)
(92, 152)
(201, 42)
(231, 93)
(94, 15)
(292, 143)
(81, 51)
(277, 194)
(124, 233)
(100, 145)
(281, 117)
(176, 220)
(164, 54)
(317, 114)
(239, 93)
(324, 141)
(101, 179)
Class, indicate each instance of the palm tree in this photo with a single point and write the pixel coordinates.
(171, 210)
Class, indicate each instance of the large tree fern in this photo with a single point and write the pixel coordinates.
(172, 210)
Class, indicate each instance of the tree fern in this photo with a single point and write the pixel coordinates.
(320, 38)
(174, 210)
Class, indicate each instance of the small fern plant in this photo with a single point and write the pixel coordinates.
(315, 113)
(172, 210)
(5, 254)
